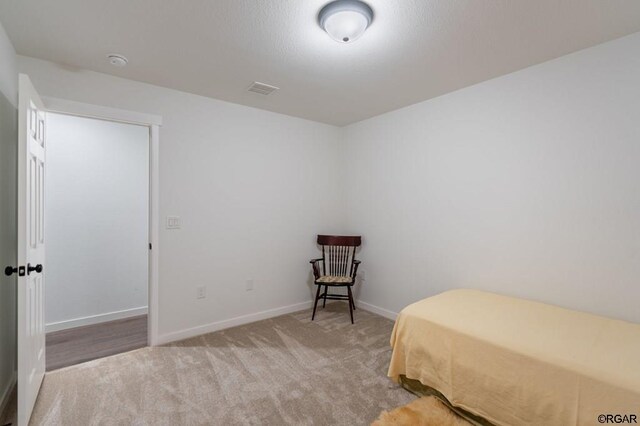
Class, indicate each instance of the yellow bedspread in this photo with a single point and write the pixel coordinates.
(518, 362)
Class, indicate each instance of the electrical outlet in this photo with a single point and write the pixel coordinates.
(362, 275)
(249, 285)
(201, 292)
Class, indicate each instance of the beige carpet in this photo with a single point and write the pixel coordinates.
(426, 411)
(282, 371)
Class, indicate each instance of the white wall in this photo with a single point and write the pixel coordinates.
(527, 185)
(253, 188)
(8, 205)
(97, 226)
(8, 69)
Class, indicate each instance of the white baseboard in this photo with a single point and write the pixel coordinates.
(233, 322)
(95, 319)
(6, 392)
(377, 310)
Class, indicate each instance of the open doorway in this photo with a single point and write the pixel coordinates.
(31, 268)
(97, 233)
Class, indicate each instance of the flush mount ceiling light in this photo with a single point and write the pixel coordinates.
(345, 20)
(117, 60)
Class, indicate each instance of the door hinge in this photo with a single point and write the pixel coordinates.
(150, 246)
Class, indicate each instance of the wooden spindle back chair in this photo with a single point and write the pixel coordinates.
(337, 267)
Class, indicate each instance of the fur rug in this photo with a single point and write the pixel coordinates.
(425, 411)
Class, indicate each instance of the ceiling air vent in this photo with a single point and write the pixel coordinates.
(263, 89)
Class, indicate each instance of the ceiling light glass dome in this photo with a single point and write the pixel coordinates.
(345, 20)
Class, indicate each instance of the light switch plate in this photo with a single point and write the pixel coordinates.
(173, 222)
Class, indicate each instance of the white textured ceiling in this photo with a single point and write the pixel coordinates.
(414, 50)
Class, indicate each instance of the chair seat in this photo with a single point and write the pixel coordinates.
(334, 279)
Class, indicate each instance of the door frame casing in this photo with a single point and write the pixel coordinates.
(153, 122)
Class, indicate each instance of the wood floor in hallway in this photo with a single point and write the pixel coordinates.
(81, 344)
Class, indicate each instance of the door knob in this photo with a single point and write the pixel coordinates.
(30, 269)
(10, 270)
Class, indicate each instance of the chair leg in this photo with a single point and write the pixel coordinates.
(315, 304)
(352, 300)
(350, 303)
(324, 303)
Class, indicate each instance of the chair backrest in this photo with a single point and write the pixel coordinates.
(338, 253)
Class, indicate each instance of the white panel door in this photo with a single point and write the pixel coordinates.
(31, 323)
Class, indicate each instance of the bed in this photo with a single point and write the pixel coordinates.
(517, 362)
